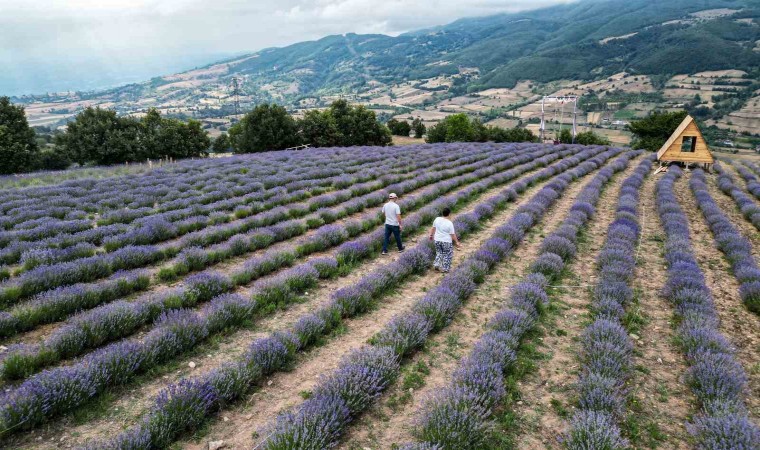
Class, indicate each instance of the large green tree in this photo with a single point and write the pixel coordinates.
(166, 137)
(358, 125)
(652, 131)
(399, 127)
(565, 136)
(19, 151)
(99, 136)
(221, 144)
(319, 129)
(498, 134)
(342, 124)
(267, 127)
(591, 138)
(453, 128)
(418, 127)
(460, 128)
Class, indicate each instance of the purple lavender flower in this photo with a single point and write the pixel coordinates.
(558, 245)
(591, 429)
(267, 354)
(309, 328)
(729, 432)
(404, 333)
(548, 264)
(315, 426)
(454, 418)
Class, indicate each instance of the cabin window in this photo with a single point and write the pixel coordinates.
(689, 144)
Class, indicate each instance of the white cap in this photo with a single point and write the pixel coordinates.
(393, 195)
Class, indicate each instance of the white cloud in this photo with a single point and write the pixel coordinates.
(82, 36)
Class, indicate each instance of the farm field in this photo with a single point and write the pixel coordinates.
(243, 302)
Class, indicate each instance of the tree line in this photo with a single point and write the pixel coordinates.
(96, 136)
(461, 128)
(271, 127)
(100, 136)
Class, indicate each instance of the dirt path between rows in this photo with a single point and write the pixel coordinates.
(552, 383)
(285, 390)
(124, 405)
(737, 323)
(391, 422)
(228, 266)
(658, 385)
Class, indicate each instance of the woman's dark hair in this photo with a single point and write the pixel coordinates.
(446, 212)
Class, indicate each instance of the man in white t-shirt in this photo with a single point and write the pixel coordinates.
(392, 223)
(445, 238)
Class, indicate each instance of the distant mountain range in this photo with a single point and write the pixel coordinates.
(582, 40)
(626, 57)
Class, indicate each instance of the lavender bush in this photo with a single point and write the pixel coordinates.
(459, 417)
(352, 301)
(460, 412)
(736, 248)
(716, 378)
(162, 343)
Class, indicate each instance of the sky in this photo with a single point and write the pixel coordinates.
(59, 45)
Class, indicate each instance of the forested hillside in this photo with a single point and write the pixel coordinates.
(561, 42)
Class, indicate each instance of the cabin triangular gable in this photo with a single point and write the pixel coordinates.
(686, 144)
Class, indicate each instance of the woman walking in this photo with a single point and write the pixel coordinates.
(445, 239)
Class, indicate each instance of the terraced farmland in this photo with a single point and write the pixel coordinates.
(243, 303)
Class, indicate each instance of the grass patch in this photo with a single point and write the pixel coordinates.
(559, 408)
(663, 394)
(413, 378)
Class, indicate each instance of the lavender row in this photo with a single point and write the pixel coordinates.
(271, 354)
(156, 229)
(58, 390)
(177, 183)
(606, 357)
(48, 308)
(736, 248)
(753, 186)
(193, 217)
(194, 258)
(46, 225)
(749, 209)
(460, 415)
(325, 215)
(365, 374)
(253, 203)
(716, 378)
(120, 319)
(57, 304)
(91, 268)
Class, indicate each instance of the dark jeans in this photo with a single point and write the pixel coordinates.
(396, 231)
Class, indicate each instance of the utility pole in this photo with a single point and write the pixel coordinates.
(236, 95)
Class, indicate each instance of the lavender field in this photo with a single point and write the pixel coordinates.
(243, 302)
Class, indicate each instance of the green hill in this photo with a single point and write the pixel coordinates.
(561, 42)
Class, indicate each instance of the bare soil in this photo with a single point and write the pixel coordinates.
(658, 384)
(547, 394)
(392, 422)
(285, 390)
(123, 406)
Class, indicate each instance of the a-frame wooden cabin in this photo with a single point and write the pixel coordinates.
(685, 145)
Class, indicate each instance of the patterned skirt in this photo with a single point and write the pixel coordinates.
(444, 252)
